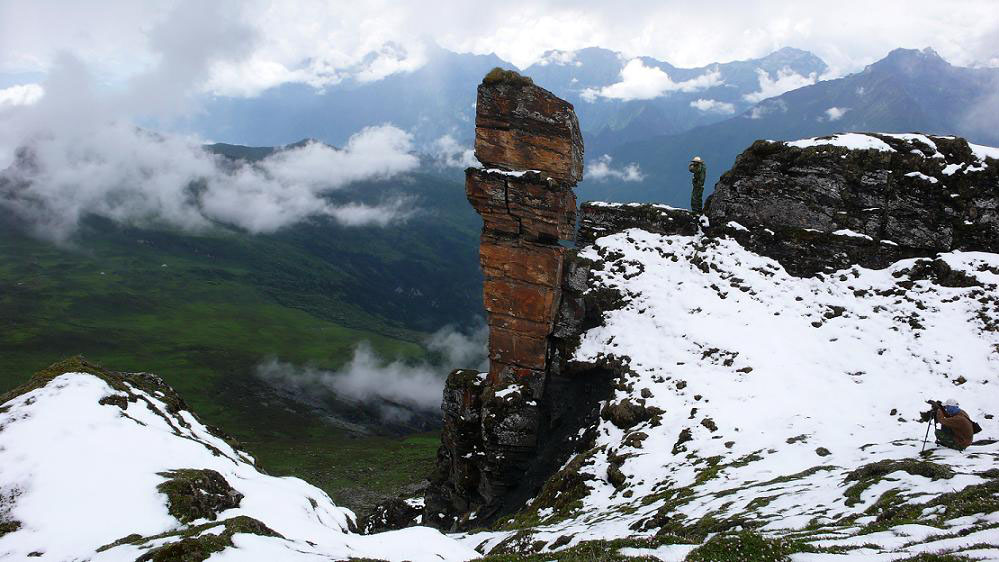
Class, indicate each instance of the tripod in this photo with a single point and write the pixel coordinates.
(927, 436)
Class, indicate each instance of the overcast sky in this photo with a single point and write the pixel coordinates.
(255, 44)
(80, 81)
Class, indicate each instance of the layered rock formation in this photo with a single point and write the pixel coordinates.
(531, 148)
(868, 199)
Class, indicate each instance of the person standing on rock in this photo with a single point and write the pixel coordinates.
(697, 168)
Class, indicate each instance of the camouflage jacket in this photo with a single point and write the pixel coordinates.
(699, 170)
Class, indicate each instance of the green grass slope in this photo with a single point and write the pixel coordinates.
(204, 309)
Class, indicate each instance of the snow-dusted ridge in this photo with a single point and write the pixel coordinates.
(789, 405)
(83, 451)
(872, 141)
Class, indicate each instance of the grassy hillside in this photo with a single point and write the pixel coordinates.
(203, 309)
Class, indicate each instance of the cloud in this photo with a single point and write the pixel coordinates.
(395, 387)
(640, 82)
(289, 186)
(72, 163)
(767, 107)
(77, 150)
(601, 170)
(836, 113)
(786, 81)
(322, 43)
(713, 106)
(21, 94)
(559, 58)
(448, 153)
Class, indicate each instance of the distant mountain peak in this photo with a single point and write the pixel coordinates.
(911, 59)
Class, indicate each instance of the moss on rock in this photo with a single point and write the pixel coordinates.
(194, 494)
(193, 544)
(9, 526)
(869, 474)
(502, 76)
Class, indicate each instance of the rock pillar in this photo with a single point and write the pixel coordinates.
(530, 146)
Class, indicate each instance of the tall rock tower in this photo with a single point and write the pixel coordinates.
(529, 143)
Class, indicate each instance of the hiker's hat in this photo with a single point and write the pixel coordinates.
(951, 402)
(696, 159)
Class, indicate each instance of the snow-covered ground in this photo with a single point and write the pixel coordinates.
(782, 386)
(78, 472)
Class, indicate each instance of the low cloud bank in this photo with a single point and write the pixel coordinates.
(396, 388)
(20, 94)
(73, 146)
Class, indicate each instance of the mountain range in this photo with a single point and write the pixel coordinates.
(639, 111)
(439, 98)
(908, 90)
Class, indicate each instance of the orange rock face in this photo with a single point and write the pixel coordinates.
(524, 127)
(529, 142)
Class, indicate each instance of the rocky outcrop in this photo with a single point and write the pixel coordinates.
(598, 218)
(819, 206)
(813, 206)
(194, 494)
(531, 149)
(822, 207)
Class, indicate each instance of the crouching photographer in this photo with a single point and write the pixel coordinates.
(956, 429)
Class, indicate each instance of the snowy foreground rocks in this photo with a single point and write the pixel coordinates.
(749, 398)
(96, 465)
(751, 384)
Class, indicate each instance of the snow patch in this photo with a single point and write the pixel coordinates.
(87, 474)
(852, 141)
(983, 152)
(852, 234)
(922, 176)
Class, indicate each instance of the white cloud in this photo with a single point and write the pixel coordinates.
(766, 107)
(321, 43)
(79, 152)
(559, 58)
(713, 106)
(640, 82)
(136, 177)
(836, 113)
(395, 387)
(786, 81)
(289, 186)
(601, 170)
(21, 94)
(447, 152)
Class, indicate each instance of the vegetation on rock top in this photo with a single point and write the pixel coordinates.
(502, 76)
